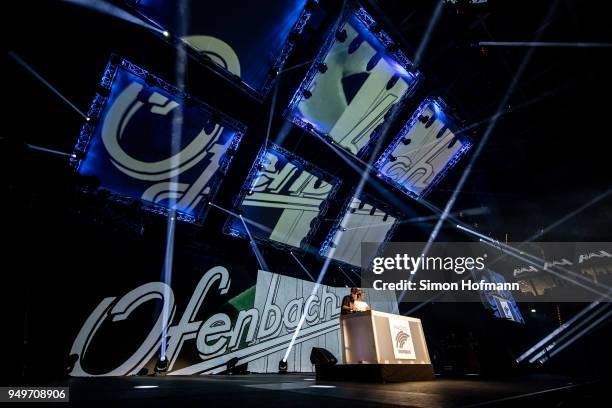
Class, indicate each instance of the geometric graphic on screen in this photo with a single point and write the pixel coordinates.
(283, 198)
(423, 151)
(132, 146)
(248, 40)
(354, 83)
(363, 220)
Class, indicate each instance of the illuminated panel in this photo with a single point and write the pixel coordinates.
(281, 199)
(423, 151)
(250, 40)
(352, 86)
(363, 220)
(128, 143)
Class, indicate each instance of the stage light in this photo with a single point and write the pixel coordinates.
(87, 119)
(166, 34)
(72, 360)
(533, 310)
(161, 366)
(322, 386)
(231, 366)
(282, 367)
(146, 386)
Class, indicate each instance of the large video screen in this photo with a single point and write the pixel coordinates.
(423, 151)
(358, 77)
(149, 141)
(247, 39)
(363, 220)
(282, 199)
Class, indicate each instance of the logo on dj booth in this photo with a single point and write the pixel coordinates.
(403, 347)
(401, 339)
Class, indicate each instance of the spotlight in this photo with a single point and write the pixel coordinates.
(533, 310)
(72, 360)
(233, 368)
(282, 367)
(161, 366)
(307, 94)
(231, 365)
(166, 34)
(322, 67)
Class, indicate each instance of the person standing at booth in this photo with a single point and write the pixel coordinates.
(348, 302)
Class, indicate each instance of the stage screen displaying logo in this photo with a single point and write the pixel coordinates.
(282, 199)
(149, 141)
(364, 220)
(423, 151)
(357, 78)
(246, 39)
(401, 336)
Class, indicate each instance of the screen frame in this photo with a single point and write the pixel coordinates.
(305, 246)
(352, 9)
(451, 123)
(368, 199)
(94, 119)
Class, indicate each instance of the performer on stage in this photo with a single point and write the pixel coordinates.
(359, 304)
(348, 302)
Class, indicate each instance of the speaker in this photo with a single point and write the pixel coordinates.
(320, 356)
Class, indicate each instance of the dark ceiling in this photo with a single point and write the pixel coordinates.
(547, 155)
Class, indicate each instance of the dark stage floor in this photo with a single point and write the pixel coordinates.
(299, 390)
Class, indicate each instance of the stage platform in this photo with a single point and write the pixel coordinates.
(375, 373)
(300, 390)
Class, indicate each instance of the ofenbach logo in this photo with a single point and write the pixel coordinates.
(265, 329)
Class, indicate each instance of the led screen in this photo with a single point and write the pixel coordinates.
(363, 220)
(423, 151)
(133, 145)
(354, 83)
(281, 199)
(249, 39)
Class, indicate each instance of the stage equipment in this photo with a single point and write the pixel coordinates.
(283, 197)
(357, 80)
(70, 362)
(233, 368)
(161, 367)
(423, 151)
(246, 42)
(320, 356)
(363, 219)
(380, 347)
(132, 146)
(282, 367)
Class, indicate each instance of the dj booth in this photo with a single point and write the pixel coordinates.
(380, 347)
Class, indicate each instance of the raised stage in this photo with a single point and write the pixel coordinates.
(375, 373)
(300, 390)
